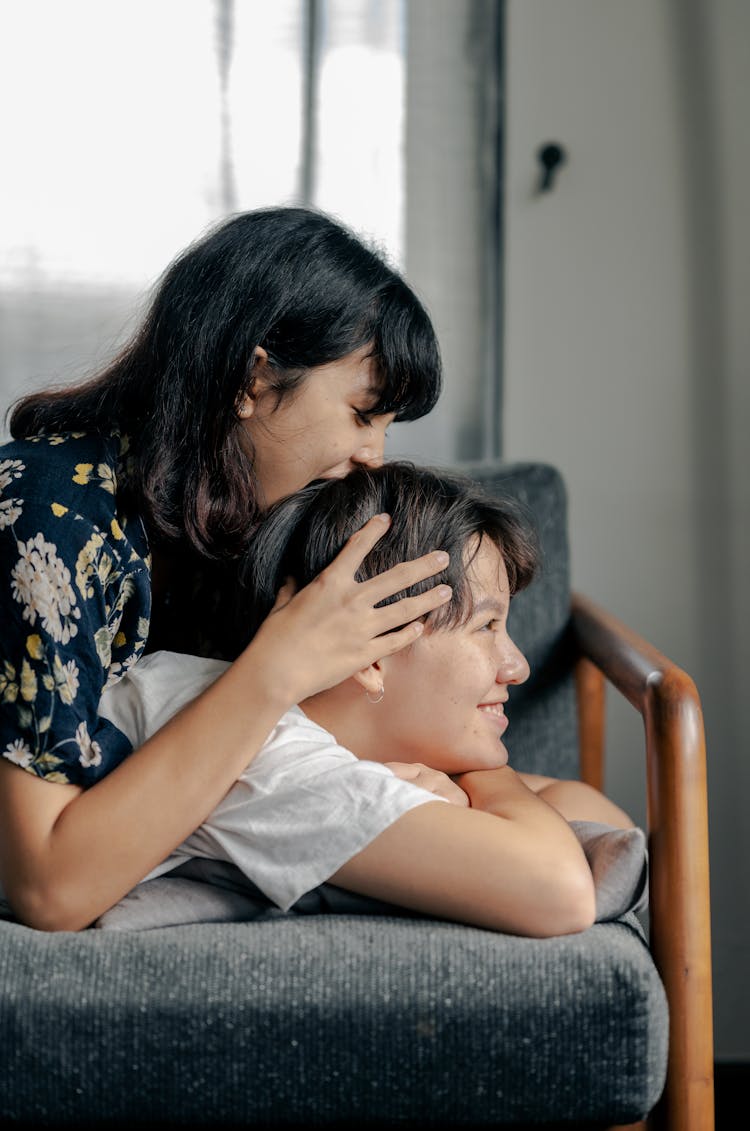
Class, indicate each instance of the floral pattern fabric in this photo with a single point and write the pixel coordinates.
(75, 599)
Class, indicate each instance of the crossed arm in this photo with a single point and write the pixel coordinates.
(508, 861)
(577, 801)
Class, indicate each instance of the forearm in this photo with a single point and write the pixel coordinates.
(576, 801)
(546, 851)
(63, 868)
(516, 867)
(505, 793)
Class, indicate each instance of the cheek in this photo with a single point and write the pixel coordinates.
(442, 689)
(465, 674)
(328, 441)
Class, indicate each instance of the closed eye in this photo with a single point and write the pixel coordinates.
(364, 418)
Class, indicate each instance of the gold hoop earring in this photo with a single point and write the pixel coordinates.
(381, 695)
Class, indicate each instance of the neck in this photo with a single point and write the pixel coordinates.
(342, 711)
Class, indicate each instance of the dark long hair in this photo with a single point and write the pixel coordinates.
(288, 279)
(430, 509)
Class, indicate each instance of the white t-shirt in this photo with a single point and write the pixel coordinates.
(301, 809)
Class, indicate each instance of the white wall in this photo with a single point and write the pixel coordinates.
(626, 362)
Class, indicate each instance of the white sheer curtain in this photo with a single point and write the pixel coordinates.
(131, 125)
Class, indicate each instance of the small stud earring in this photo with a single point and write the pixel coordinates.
(381, 695)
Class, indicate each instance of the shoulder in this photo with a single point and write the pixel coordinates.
(295, 727)
(75, 470)
(75, 601)
(299, 750)
(64, 489)
(156, 688)
(63, 450)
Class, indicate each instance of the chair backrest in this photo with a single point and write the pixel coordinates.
(543, 732)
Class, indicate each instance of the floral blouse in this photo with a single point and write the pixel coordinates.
(75, 602)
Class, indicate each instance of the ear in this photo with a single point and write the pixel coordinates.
(260, 357)
(246, 402)
(370, 678)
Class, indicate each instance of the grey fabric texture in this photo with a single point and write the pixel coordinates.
(350, 1019)
(215, 891)
(306, 1019)
(618, 859)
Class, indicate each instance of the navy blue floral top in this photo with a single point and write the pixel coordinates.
(75, 602)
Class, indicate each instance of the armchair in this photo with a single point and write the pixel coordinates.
(605, 652)
(668, 702)
(380, 1019)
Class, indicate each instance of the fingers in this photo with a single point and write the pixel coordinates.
(389, 637)
(405, 575)
(407, 771)
(345, 626)
(434, 781)
(411, 608)
(350, 558)
(357, 548)
(395, 641)
(453, 793)
(392, 581)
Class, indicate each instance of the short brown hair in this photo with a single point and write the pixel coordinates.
(430, 510)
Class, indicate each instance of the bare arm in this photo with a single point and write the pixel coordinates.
(577, 801)
(66, 855)
(509, 863)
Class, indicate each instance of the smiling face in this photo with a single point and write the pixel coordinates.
(445, 695)
(322, 430)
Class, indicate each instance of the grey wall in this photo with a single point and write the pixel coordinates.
(451, 255)
(626, 363)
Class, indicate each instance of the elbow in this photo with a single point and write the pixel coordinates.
(563, 904)
(46, 910)
(571, 906)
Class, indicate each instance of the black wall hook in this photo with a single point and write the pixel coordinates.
(551, 156)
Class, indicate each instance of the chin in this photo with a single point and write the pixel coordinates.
(493, 759)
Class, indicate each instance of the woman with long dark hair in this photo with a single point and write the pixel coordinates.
(276, 351)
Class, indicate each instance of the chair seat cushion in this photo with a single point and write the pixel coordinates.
(339, 1019)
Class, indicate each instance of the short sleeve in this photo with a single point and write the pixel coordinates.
(74, 603)
(302, 809)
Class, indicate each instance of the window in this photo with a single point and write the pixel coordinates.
(135, 124)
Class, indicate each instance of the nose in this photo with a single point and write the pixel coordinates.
(371, 453)
(513, 666)
(368, 457)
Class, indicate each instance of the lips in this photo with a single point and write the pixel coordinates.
(495, 714)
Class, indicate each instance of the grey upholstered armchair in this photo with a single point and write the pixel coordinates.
(381, 1019)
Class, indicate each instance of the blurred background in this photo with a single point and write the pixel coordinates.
(601, 324)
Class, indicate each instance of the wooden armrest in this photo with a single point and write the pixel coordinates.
(680, 932)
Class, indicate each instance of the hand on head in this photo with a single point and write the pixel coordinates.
(334, 625)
